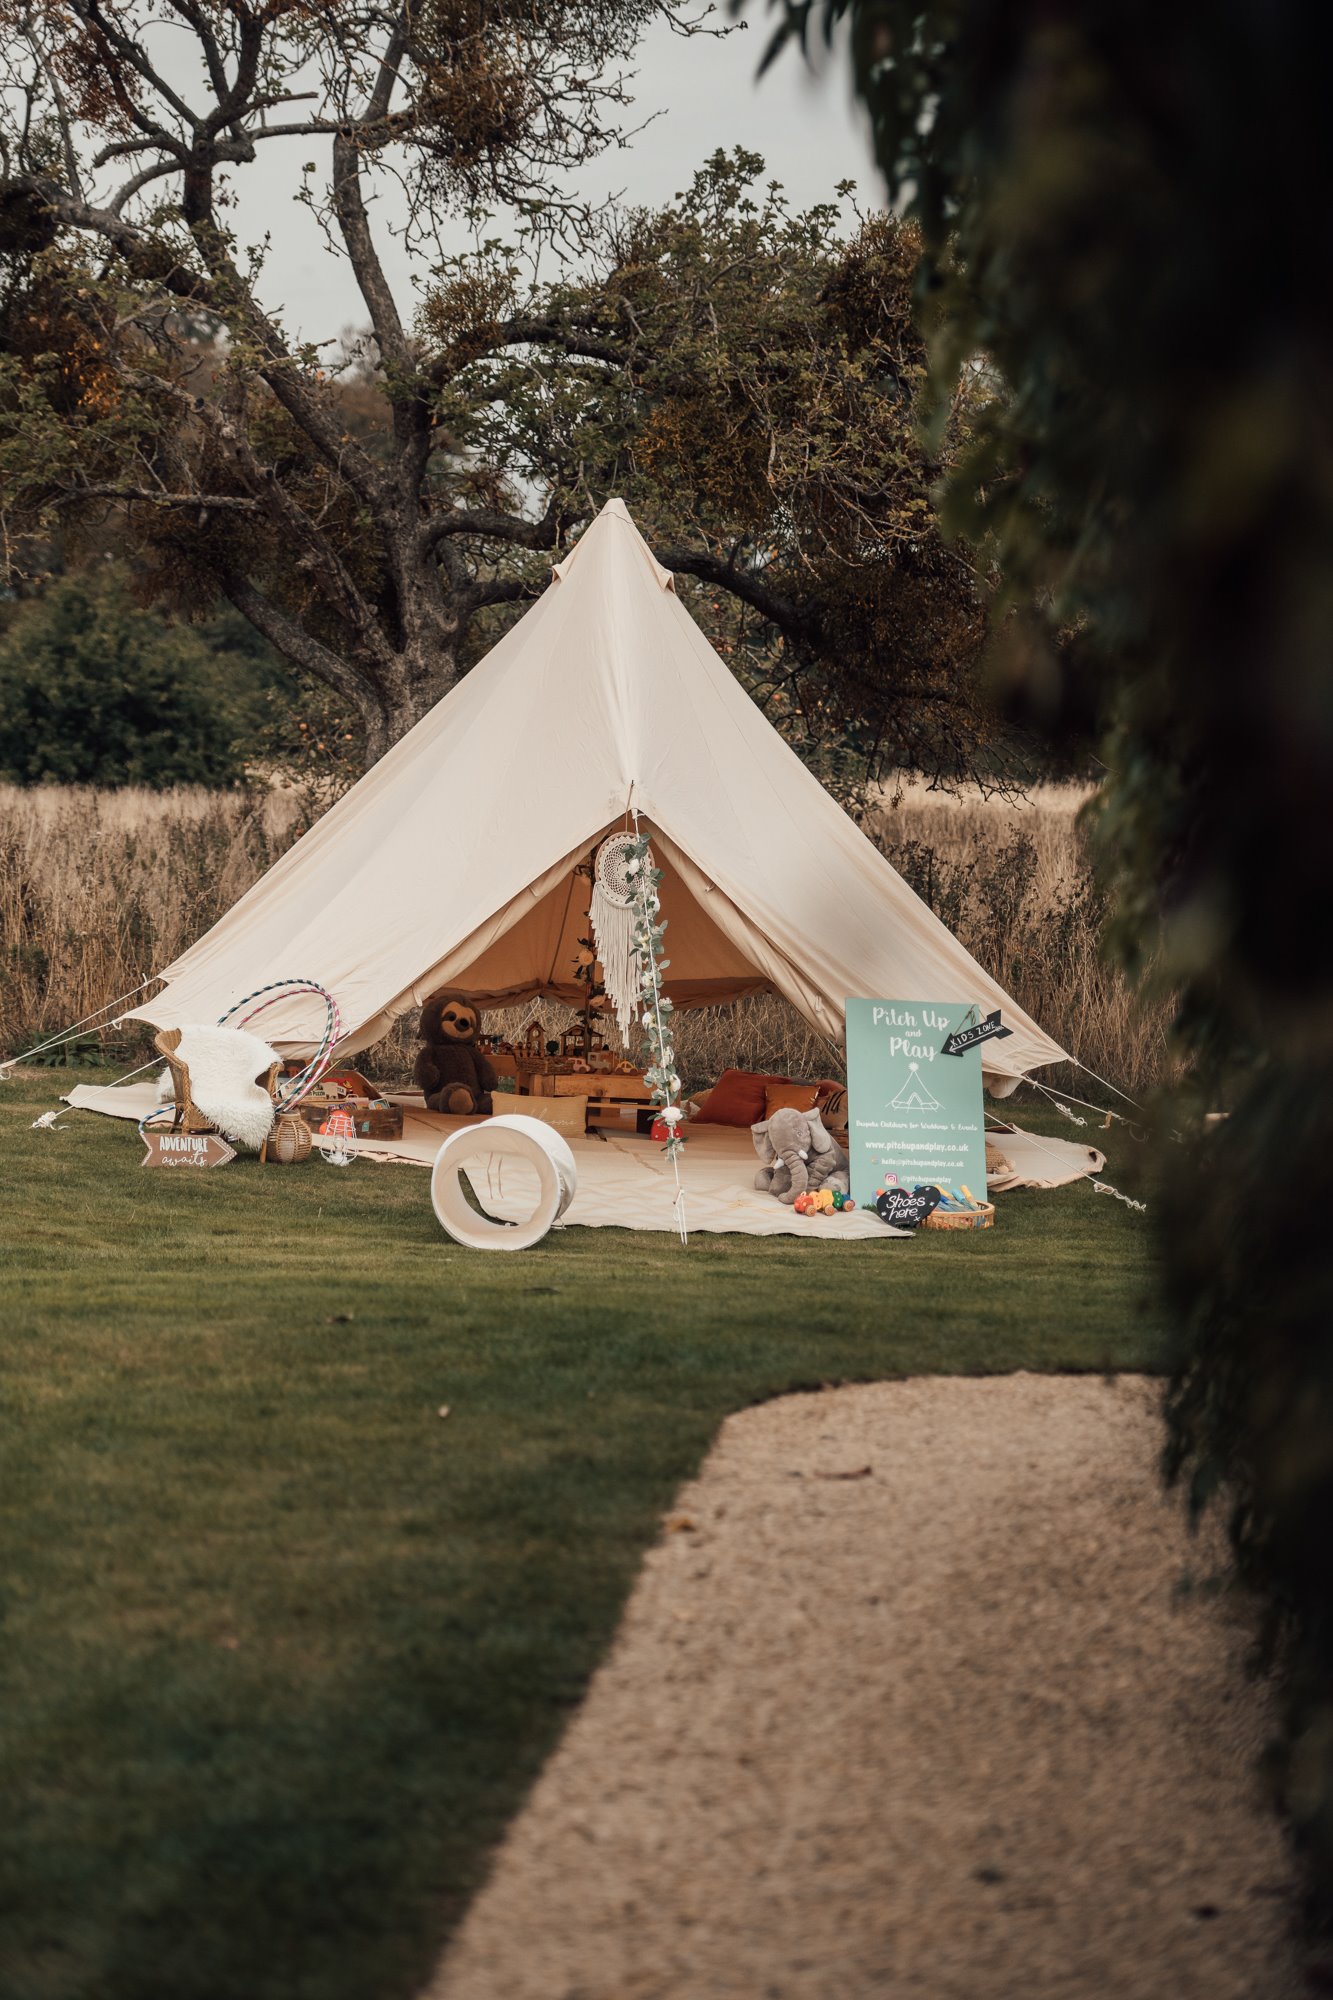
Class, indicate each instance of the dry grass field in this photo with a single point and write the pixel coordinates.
(97, 889)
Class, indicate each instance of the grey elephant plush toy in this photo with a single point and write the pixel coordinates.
(799, 1156)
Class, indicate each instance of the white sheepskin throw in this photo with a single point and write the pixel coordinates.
(223, 1064)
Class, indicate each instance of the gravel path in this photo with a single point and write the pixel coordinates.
(942, 1728)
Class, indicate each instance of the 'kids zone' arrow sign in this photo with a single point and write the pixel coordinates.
(963, 1039)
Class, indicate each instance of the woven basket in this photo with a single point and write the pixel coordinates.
(981, 1217)
(289, 1141)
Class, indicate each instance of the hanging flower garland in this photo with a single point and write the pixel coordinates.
(659, 1054)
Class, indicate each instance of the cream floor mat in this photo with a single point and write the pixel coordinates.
(626, 1182)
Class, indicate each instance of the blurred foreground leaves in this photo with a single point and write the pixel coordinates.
(1125, 206)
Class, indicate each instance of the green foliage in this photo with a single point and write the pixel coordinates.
(1129, 216)
(312, 740)
(657, 1052)
(284, 1649)
(750, 378)
(147, 387)
(96, 690)
(1252, 1394)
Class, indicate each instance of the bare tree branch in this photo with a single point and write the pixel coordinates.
(781, 611)
(350, 208)
(307, 547)
(292, 638)
(489, 525)
(499, 590)
(201, 503)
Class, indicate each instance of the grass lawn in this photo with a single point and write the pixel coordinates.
(280, 1649)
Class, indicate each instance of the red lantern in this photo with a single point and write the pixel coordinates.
(336, 1131)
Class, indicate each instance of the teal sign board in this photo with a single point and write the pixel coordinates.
(915, 1113)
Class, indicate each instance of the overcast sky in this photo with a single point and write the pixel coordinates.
(807, 128)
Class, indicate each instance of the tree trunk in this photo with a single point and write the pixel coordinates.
(393, 716)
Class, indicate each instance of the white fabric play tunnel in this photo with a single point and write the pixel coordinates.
(512, 1163)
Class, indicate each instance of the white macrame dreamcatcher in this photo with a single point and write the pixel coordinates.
(612, 912)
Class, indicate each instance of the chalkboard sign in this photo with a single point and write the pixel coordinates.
(990, 1029)
(904, 1207)
(915, 1115)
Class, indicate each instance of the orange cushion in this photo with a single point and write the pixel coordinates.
(737, 1098)
(790, 1097)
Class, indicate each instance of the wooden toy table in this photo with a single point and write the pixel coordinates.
(613, 1098)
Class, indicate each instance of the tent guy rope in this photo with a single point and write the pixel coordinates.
(1101, 1187)
(68, 1034)
(1062, 1100)
(1105, 1083)
(1104, 1187)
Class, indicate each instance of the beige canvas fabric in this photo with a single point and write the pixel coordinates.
(451, 862)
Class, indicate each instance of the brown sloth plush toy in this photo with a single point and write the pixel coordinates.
(455, 1075)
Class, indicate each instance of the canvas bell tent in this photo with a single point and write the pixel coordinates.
(452, 862)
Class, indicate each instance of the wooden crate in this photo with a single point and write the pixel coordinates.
(565, 1083)
(621, 1089)
(335, 1086)
(372, 1117)
(619, 1114)
(597, 1085)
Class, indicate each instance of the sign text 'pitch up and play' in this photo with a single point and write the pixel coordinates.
(914, 1095)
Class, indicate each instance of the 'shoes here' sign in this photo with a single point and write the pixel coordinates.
(915, 1118)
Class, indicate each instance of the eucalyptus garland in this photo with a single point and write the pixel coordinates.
(659, 1055)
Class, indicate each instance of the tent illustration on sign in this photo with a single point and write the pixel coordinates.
(914, 1096)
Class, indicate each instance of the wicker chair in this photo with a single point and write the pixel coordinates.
(189, 1118)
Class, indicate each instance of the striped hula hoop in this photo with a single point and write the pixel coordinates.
(285, 989)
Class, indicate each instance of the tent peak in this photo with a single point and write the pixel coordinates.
(594, 537)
